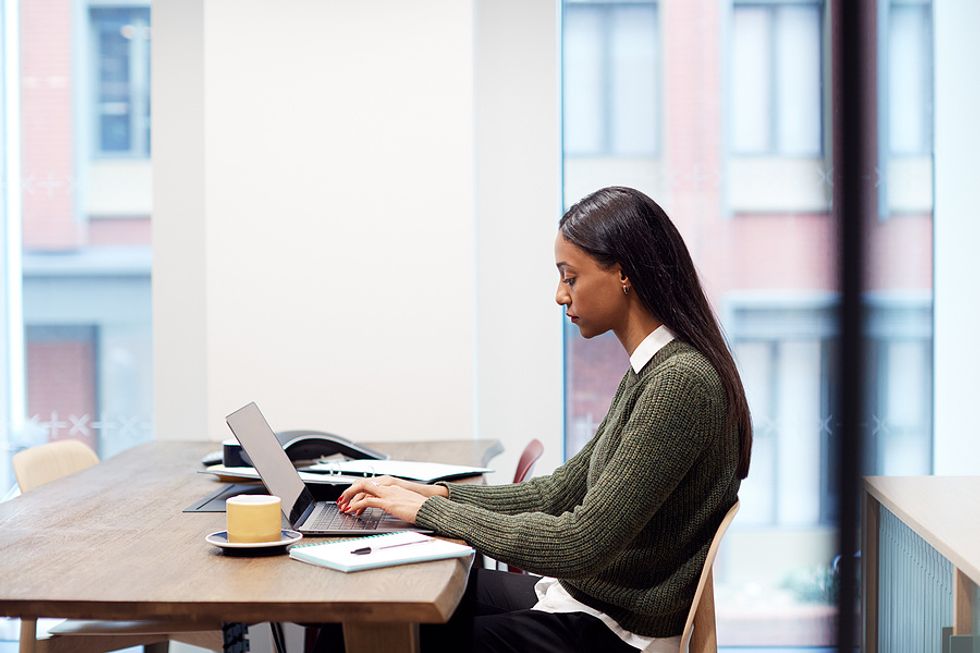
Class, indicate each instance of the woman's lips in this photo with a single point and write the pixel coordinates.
(573, 318)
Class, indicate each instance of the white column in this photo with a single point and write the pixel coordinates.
(957, 232)
(180, 257)
(518, 189)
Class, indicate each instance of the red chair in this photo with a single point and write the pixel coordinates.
(532, 452)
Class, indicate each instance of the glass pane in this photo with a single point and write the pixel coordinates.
(798, 395)
(85, 227)
(582, 72)
(751, 78)
(909, 79)
(633, 68)
(905, 433)
(761, 232)
(755, 364)
(122, 78)
(798, 79)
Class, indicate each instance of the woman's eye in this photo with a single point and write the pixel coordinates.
(569, 282)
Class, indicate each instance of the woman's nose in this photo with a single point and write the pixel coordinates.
(561, 295)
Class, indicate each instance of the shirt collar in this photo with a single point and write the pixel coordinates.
(650, 345)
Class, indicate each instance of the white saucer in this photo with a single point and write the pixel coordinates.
(285, 538)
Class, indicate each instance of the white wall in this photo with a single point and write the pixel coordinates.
(316, 210)
(957, 311)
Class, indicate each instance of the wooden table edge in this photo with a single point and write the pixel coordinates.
(972, 572)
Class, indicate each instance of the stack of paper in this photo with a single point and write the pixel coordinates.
(414, 471)
(249, 473)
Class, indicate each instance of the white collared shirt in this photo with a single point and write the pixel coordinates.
(552, 597)
(649, 346)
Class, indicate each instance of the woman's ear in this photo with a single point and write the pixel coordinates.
(624, 281)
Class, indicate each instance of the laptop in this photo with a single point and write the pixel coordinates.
(305, 514)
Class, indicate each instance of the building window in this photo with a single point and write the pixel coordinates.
(121, 55)
(776, 78)
(610, 66)
(786, 357)
(899, 350)
(909, 85)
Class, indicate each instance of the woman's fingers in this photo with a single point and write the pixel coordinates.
(362, 502)
(369, 485)
(348, 501)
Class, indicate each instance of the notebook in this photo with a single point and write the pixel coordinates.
(385, 550)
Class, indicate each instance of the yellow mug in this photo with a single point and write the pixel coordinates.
(254, 518)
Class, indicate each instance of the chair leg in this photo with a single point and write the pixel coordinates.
(705, 638)
(28, 636)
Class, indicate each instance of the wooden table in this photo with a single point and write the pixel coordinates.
(112, 543)
(942, 510)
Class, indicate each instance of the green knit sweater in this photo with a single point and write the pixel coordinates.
(626, 523)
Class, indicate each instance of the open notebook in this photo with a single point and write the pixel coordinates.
(383, 550)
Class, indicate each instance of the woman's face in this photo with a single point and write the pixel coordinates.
(592, 295)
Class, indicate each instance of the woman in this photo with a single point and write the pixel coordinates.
(620, 532)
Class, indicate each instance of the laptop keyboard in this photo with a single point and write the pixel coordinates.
(326, 517)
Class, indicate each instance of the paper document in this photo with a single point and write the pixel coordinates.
(413, 471)
(307, 477)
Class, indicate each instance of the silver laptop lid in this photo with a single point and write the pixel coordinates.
(270, 460)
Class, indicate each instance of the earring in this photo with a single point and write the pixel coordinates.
(626, 290)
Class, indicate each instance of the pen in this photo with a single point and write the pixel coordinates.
(366, 549)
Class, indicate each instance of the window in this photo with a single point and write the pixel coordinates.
(121, 93)
(776, 79)
(909, 77)
(900, 393)
(610, 76)
(784, 354)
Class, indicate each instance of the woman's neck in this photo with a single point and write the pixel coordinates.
(639, 324)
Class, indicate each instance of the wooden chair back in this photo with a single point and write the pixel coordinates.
(48, 462)
(699, 634)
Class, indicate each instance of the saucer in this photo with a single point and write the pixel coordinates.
(286, 538)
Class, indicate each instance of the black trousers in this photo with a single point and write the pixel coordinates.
(494, 616)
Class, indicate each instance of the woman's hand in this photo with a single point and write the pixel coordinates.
(395, 496)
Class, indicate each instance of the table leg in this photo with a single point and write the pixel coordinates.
(963, 592)
(381, 637)
(28, 635)
(869, 572)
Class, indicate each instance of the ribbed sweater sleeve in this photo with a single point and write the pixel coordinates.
(660, 439)
(553, 494)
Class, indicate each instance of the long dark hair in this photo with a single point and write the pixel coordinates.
(623, 226)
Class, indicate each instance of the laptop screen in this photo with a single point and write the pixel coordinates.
(270, 460)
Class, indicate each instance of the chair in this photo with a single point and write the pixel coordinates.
(532, 452)
(37, 466)
(699, 634)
